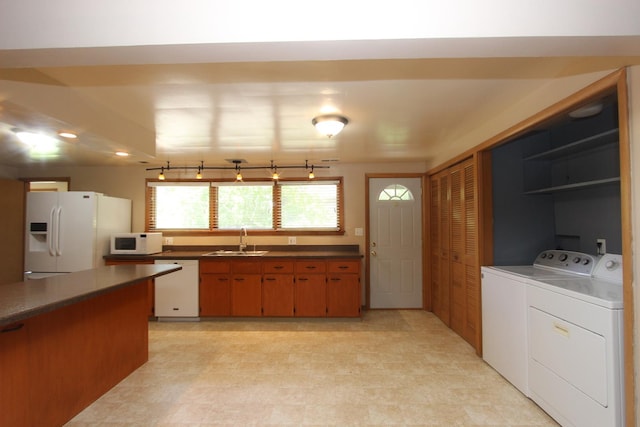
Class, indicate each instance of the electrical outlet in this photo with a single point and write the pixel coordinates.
(168, 240)
(601, 246)
(292, 240)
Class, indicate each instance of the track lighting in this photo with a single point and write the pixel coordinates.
(273, 168)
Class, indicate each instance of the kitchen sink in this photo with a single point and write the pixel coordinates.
(236, 253)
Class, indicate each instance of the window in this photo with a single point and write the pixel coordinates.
(240, 205)
(179, 206)
(309, 206)
(211, 207)
(395, 192)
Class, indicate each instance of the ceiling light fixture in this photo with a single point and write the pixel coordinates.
(329, 124)
(122, 154)
(69, 135)
(275, 175)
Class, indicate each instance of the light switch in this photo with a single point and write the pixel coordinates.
(359, 231)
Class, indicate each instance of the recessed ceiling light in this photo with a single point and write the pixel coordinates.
(69, 135)
(35, 139)
(122, 154)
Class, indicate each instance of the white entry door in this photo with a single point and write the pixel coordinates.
(395, 236)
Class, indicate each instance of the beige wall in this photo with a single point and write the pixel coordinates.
(128, 182)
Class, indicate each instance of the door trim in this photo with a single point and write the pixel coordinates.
(367, 253)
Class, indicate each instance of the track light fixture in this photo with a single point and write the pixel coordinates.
(272, 167)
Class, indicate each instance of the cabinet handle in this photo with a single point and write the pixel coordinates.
(278, 267)
(310, 267)
(562, 330)
(222, 279)
(335, 279)
(239, 279)
(271, 279)
(343, 267)
(302, 279)
(12, 328)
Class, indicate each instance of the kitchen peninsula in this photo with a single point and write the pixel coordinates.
(66, 340)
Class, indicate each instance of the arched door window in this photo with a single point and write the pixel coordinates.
(395, 192)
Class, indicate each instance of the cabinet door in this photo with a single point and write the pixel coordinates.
(246, 295)
(311, 295)
(343, 295)
(277, 295)
(215, 295)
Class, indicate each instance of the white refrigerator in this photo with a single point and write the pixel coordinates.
(70, 231)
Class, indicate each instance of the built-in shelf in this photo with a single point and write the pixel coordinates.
(575, 186)
(594, 141)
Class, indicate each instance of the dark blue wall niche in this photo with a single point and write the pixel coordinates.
(532, 212)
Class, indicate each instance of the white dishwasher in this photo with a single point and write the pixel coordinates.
(176, 294)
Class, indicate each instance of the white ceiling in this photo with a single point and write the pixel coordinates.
(405, 99)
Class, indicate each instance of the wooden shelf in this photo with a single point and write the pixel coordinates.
(598, 140)
(576, 186)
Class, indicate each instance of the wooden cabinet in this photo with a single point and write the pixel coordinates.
(343, 288)
(215, 287)
(278, 288)
(454, 265)
(246, 287)
(310, 288)
(151, 293)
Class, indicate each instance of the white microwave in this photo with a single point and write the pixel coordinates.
(136, 243)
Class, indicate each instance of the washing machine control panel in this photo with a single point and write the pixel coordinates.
(568, 261)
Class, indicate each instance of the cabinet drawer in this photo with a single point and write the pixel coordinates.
(215, 266)
(344, 266)
(277, 266)
(250, 266)
(310, 266)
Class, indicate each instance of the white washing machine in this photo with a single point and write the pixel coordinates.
(504, 309)
(576, 346)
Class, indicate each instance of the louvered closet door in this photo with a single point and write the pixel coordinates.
(471, 329)
(440, 248)
(457, 222)
(455, 283)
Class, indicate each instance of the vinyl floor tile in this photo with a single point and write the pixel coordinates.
(390, 368)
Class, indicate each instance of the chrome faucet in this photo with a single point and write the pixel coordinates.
(243, 234)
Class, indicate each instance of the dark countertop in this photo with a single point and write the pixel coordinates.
(199, 253)
(21, 300)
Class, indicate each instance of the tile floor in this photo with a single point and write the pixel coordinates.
(396, 367)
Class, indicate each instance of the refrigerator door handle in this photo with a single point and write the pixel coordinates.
(58, 215)
(52, 232)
